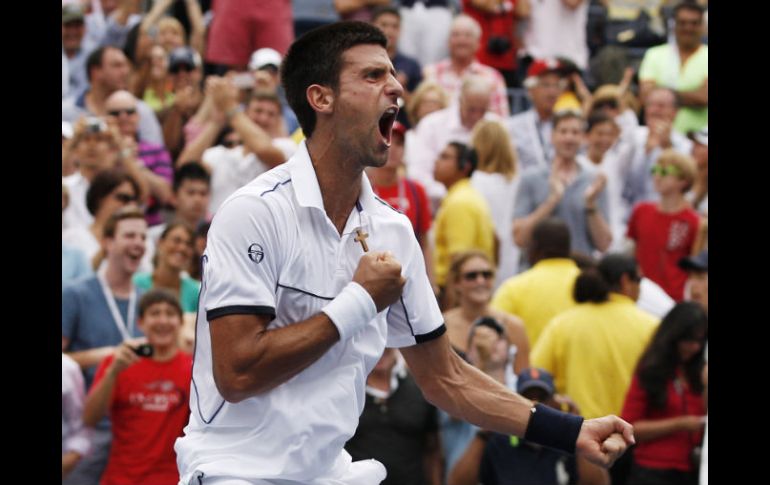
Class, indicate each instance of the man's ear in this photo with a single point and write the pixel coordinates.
(320, 98)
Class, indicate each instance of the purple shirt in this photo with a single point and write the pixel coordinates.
(156, 158)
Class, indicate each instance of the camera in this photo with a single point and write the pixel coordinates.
(144, 350)
(498, 45)
(95, 125)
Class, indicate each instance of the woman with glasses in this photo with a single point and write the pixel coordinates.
(592, 348)
(665, 402)
(110, 190)
(171, 261)
(470, 279)
(665, 231)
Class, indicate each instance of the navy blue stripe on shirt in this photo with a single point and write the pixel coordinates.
(239, 310)
(275, 188)
(426, 337)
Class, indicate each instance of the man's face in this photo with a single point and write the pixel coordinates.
(390, 25)
(567, 137)
(660, 106)
(126, 248)
(602, 136)
(170, 38)
(72, 34)
(366, 104)
(688, 28)
(114, 71)
(266, 114)
(473, 105)
(697, 288)
(463, 41)
(192, 199)
(161, 323)
(122, 111)
(95, 150)
(548, 89)
(445, 169)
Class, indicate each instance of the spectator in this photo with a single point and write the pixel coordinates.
(665, 402)
(265, 64)
(681, 66)
(666, 231)
(697, 287)
(74, 264)
(607, 321)
(572, 191)
(145, 396)
(545, 290)
(75, 437)
(172, 259)
(186, 73)
(464, 39)
(192, 192)
(463, 220)
(398, 427)
(427, 98)
(557, 28)
(426, 25)
(152, 83)
(699, 195)
(169, 31)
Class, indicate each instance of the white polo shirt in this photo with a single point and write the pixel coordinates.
(272, 250)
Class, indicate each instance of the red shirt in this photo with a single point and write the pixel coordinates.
(673, 450)
(498, 25)
(411, 201)
(149, 410)
(661, 241)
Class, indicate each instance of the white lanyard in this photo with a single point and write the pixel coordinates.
(116, 316)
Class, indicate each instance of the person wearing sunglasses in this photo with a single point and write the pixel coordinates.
(154, 166)
(110, 191)
(665, 232)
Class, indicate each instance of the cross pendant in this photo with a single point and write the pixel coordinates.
(361, 238)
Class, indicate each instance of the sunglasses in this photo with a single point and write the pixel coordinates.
(665, 170)
(473, 275)
(180, 67)
(125, 198)
(118, 112)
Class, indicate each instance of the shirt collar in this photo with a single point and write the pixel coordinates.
(306, 187)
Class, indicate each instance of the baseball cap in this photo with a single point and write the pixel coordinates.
(701, 136)
(264, 57)
(72, 12)
(535, 377)
(183, 56)
(700, 262)
(540, 67)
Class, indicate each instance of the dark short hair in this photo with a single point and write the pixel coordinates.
(158, 295)
(96, 58)
(385, 9)
(597, 118)
(466, 156)
(104, 183)
(316, 58)
(550, 238)
(688, 5)
(595, 284)
(191, 171)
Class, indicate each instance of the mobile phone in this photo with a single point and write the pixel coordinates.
(95, 125)
(243, 80)
(144, 350)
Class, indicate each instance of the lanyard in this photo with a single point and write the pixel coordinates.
(117, 318)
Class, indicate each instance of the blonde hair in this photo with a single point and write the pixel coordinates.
(685, 164)
(456, 263)
(416, 99)
(493, 148)
(172, 23)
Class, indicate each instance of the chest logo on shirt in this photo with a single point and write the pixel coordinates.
(157, 396)
(256, 253)
(677, 235)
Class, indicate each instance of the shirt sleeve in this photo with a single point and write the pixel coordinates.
(77, 438)
(647, 71)
(415, 317)
(525, 197)
(242, 259)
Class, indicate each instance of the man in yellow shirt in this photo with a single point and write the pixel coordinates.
(463, 220)
(545, 290)
(592, 349)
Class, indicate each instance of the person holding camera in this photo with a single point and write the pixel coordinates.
(144, 389)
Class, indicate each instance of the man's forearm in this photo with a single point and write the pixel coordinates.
(523, 227)
(90, 357)
(98, 399)
(600, 232)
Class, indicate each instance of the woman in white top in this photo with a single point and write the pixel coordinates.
(497, 180)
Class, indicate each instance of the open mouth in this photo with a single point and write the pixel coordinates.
(386, 123)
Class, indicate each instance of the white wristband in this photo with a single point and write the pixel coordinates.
(351, 310)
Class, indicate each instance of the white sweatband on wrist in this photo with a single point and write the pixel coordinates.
(351, 310)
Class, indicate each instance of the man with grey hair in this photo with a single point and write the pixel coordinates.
(464, 38)
(437, 129)
(531, 130)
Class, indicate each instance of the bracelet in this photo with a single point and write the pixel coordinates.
(552, 428)
(351, 310)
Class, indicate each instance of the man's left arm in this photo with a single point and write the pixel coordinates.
(463, 391)
(697, 98)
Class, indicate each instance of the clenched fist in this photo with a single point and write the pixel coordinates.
(380, 275)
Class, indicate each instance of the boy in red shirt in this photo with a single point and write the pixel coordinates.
(665, 231)
(146, 397)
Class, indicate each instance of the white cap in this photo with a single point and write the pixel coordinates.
(66, 129)
(264, 57)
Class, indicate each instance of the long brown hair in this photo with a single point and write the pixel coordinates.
(493, 146)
